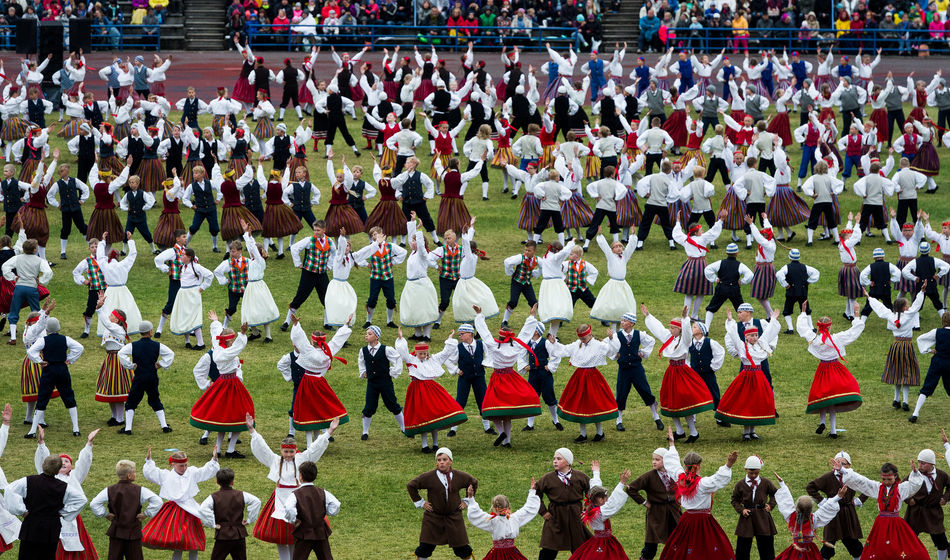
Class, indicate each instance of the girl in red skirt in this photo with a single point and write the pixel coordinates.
(879, 115)
(243, 91)
(177, 526)
(225, 404)
(279, 220)
(234, 212)
(170, 219)
(803, 521)
(587, 398)
(429, 407)
(316, 405)
(682, 391)
(503, 524)
(104, 217)
(697, 529)
(749, 401)
(779, 124)
(890, 536)
(340, 215)
(503, 154)
(833, 389)
(603, 545)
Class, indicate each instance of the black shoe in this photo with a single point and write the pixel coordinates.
(199, 347)
(788, 331)
(62, 256)
(845, 317)
(791, 236)
(76, 434)
(167, 430)
(896, 405)
(580, 439)
(499, 440)
(890, 242)
(916, 328)
(84, 335)
(776, 414)
(391, 325)
(51, 264)
(357, 152)
(188, 345)
(114, 422)
(620, 427)
(366, 325)
(754, 436)
(328, 439)
(659, 425)
(268, 340)
(124, 432)
(821, 429)
(158, 334)
(43, 425)
(491, 431)
(216, 250)
(746, 438)
(809, 244)
(281, 256)
(527, 429)
(435, 326)
(29, 436)
(558, 427)
(833, 436)
(484, 198)
(428, 449)
(514, 197)
(452, 433)
(586, 249)
(692, 439)
(3, 322)
(672, 247)
(506, 445)
(504, 324)
(364, 437)
(598, 437)
(905, 407)
(722, 424)
(253, 336)
(203, 441)
(677, 435)
(284, 327)
(27, 422)
(234, 455)
(912, 419)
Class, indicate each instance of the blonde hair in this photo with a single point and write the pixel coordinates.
(484, 132)
(699, 172)
(182, 454)
(720, 129)
(124, 468)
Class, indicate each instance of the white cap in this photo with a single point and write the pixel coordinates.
(927, 456)
(439, 83)
(566, 453)
(661, 451)
(52, 325)
(843, 455)
(444, 451)
(561, 89)
(753, 463)
(145, 326)
(333, 88)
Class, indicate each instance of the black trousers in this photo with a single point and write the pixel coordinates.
(937, 371)
(646, 222)
(11, 217)
(310, 281)
(544, 217)
(289, 97)
(400, 163)
(724, 293)
(484, 172)
(173, 287)
(790, 302)
(767, 165)
(446, 287)
(712, 383)
(92, 298)
(817, 210)
(599, 215)
(765, 544)
(895, 116)
(854, 546)
(422, 212)
(335, 124)
(877, 212)
(306, 217)
(70, 218)
(389, 292)
(84, 166)
(718, 164)
(200, 216)
(474, 383)
(905, 207)
(650, 161)
(584, 295)
(321, 548)
(425, 550)
(516, 290)
(32, 550)
(755, 210)
(943, 119)
(140, 387)
(709, 216)
(661, 116)
(125, 549)
(633, 376)
(709, 122)
(141, 225)
(884, 298)
(849, 116)
(360, 210)
(55, 376)
(233, 299)
(605, 162)
(543, 383)
(376, 388)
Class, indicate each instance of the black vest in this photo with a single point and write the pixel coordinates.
(334, 107)
(204, 195)
(175, 150)
(45, 496)
(93, 115)
(136, 201)
(151, 152)
(290, 78)
(520, 106)
(68, 195)
(252, 197)
(629, 354)
(541, 353)
(55, 349)
(301, 201)
(213, 373)
(30, 151)
(36, 112)
(377, 367)
(106, 150)
(87, 149)
(239, 151)
(190, 110)
(561, 107)
(145, 353)
(412, 189)
(12, 195)
(943, 343)
(262, 80)
(729, 272)
(356, 201)
(281, 151)
(136, 147)
(926, 270)
(209, 154)
(441, 101)
(880, 279)
(701, 360)
(471, 365)
(797, 278)
(514, 79)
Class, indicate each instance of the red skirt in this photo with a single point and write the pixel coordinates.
(114, 381)
(316, 405)
(603, 546)
(892, 538)
(280, 221)
(104, 220)
(342, 217)
(683, 392)
(453, 215)
(223, 407)
(833, 387)
(509, 396)
(826, 113)
(164, 234)
(879, 118)
(429, 407)
(173, 528)
(738, 115)
(268, 529)
(917, 114)
(675, 126)
(806, 551)
(231, 217)
(89, 550)
(4, 547)
(748, 401)
(780, 127)
(35, 223)
(389, 217)
(587, 398)
(243, 91)
(694, 532)
(6, 294)
(504, 550)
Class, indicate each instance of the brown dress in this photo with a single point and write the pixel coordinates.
(444, 524)
(845, 525)
(759, 521)
(565, 503)
(924, 512)
(664, 511)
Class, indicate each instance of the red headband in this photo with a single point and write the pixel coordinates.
(288, 446)
(115, 313)
(751, 330)
(177, 461)
(225, 337)
(676, 323)
(32, 320)
(695, 227)
(65, 456)
(423, 346)
(908, 226)
(946, 224)
(584, 332)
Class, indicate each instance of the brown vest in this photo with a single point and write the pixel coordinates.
(311, 514)
(125, 502)
(229, 514)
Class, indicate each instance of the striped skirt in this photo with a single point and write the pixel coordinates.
(691, 281)
(678, 207)
(111, 163)
(905, 285)
(217, 123)
(369, 131)
(102, 220)
(280, 221)
(735, 208)
(231, 217)
(28, 170)
(342, 217)
(945, 279)
(71, 128)
(453, 215)
(264, 129)
(694, 154)
(268, 529)
(152, 173)
(901, 367)
(503, 157)
(530, 212)
(121, 131)
(592, 168)
(848, 284)
(786, 208)
(187, 172)
(763, 281)
(114, 381)
(30, 381)
(15, 128)
(388, 160)
(164, 233)
(387, 215)
(238, 165)
(631, 152)
(547, 156)
(575, 213)
(173, 528)
(295, 162)
(444, 159)
(628, 210)
(36, 224)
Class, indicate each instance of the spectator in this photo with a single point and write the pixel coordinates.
(236, 6)
(740, 33)
(649, 33)
(521, 26)
(370, 14)
(139, 7)
(285, 5)
(150, 24)
(455, 23)
(103, 28)
(503, 24)
(486, 20)
(114, 11)
(434, 20)
(763, 31)
(30, 12)
(236, 25)
(697, 37)
(160, 7)
(857, 30)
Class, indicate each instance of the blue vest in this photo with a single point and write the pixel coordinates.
(65, 82)
(686, 72)
(136, 202)
(767, 73)
(213, 373)
(140, 78)
(727, 72)
(800, 71)
(844, 70)
(145, 353)
(596, 68)
(113, 79)
(643, 76)
(36, 112)
(629, 354)
(190, 110)
(701, 360)
(357, 201)
(541, 351)
(301, 200)
(552, 73)
(471, 365)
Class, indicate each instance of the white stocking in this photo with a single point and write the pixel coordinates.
(691, 422)
(678, 425)
(834, 416)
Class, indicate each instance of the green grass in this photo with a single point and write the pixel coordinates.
(377, 519)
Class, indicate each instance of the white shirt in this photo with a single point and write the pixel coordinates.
(149, 501)
(312, 359)
(909, 271)
(590, 355)
(290, 512)
(907, 247)
(115, 272)
(617, 264)
(180, 489)
(906, 489)
(430, 368)
(677, 349)
(194, 275)
(763, 347)
(502, 527)
(74, 350)
(707, 486)
(846, 248)
(908, 318)
(711, 272)
(824, 351)
(252, 502)
(499, 356)
(709, 236)
(550, 264)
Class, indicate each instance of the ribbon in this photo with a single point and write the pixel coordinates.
(748, 355)
(687, 484)
(509, 337)
(505, 511)
(826, 336)
(590, 515)
(177, 460)
(321, 343)
(695, 244)
(847, 249)
(222, 338)
(665, 344)
(113, 255)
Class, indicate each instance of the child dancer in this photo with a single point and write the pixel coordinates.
(934, 342)
(663, 513)
(453, 214)
(925, 267)
(143, 358)
(834, 389)
(901, 369)
(566, 489)
(186, 315)
(753, 498)
(379, 365)
(615, 297)
(580, 275)
(749, 401)
(802, 522)
(55, 352)
(316, 404)
(845, 526)
(849, 285)
(115, 272)
(112, 385)
(104, 216)
(549, 194)
(127, 503)
(418, 303)
(554, 293)
(224, 512)
(170, 262)
(503, 524)
(629, 348)
(763, 279)
(442, 522)
(597, 516)
(380, 257)
(307, 509)
(177, 525)
(795, 278)
(691, 282)
(279, 219)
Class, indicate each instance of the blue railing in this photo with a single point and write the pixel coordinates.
(442, 37)
(104, 37)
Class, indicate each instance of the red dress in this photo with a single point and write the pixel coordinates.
(697, 528)
(168, 222)
(779, 125)
(803, 545)
(429, 408)
(509, 396)
(453, 214)
(104, 217)
(316, 405)
(233, 212)
(891, 538)
(602, 546)
(675, 126)
(223, 407)
(587, 398)
(387, 214)
(833, 387)
(749, 400)
(683, 392)
(341, 215)
(279, 219)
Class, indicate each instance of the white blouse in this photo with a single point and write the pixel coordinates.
(590, 355)
(115, 272)
(430, 368)
(709, 236)
(177, 488)
(708, 485)
(908, 319)
(312, 359)
(677, 351)
(824, 351)
(550, 264)
(617, 264)
(502, 527)
(500, 356)
(761, 350)
(284, 473)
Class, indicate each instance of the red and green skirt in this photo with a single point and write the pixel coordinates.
(587, 398)
(316, 405)
(87, 553)
(173, 528)
(223, 407)
(268, 529)
(748, 401)
(509, 396)
(683, 392)
(429, 407)
(833, 387)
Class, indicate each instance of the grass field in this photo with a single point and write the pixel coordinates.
(377, 520)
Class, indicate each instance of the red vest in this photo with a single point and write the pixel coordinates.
(169, 207)
(811, 137)
(443, 144)
(452, 184)
(104, 199)
(744, 136)
(548, 138)
(910, 144)
(694, 140)
(389, 130)
(232, 198)
(854, 145)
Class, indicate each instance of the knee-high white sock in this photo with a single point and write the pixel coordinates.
(400, 421)
(161, 323)
(887, 235)
(486, 424)
(187, 338)
(507, 315)
(583, 430)
(369, 314)
(30, 409)
(531, 421)
(484, 190)
(62, 245)
(941, 555)
(227, 320)
(291, 430)
(39, 417)
(920, 404)
(192, 555)
(298, 111)
(499, 425)
(42, 253)
(691, 422)
(653, 410)
(435, 236)
(282, 109)
(554, 327)
(709, 318)
(552, 410)
(688, 304)
(678, 425)
(214, 241)
(280, 245)
(285, 552)
(219, 440)
(118, 411)
(600, 428)
(560, 238)
(904, 390)
(822, 413)
(619, 417)
(87, 321)
(810, 233)
(697, 305)
(309, 438)
(897, 389)
(427, 331)
(293, 237)
(188, 238)
(198, 338)
(849, 310)
(129, 415)
(507, 428)
(176, 555)
(834, 234)
(233, 442)
(425, 440)
(390, 313)
(74, 417)
(833, 425)
(161, 417)
(366, 421)
(290, 312)
(788, 322)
